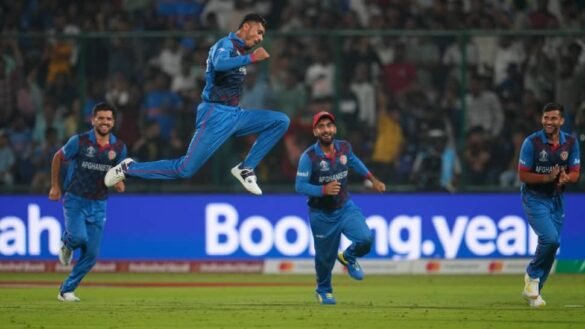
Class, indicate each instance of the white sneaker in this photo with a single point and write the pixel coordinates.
(537, 303)
(531, 290)
(117, 173)
(247, 177)
(68, 297)
(65, 255)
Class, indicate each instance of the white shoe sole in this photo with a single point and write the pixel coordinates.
(62, 299)
(254, 190)
(112, 178)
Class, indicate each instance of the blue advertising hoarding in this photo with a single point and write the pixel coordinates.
(200, 227)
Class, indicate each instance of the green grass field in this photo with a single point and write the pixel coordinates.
(131, 300)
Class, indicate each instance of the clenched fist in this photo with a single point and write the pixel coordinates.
(260, 54)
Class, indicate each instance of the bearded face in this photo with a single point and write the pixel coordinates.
(325, 131)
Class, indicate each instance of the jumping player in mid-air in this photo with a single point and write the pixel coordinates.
(322, 176)
(219, 116)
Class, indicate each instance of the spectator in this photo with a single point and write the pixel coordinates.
(388, 143)
(364, 90)
(30, 98)
(436, 166)
(400, 75)
(508, 52)
(542, 18)
(170, 57)
(187, 80)
(319, 75)
(7, 160)
(150, 145)
(477, 156)
(483, 109)
(41, 160)
(292, 97)
(10, 70)
(256, 91)
(161, 105)
(48, 119)
(453, 57)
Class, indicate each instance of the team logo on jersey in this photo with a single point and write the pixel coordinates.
(564, 155)
(323, 165)
(90, 152)
(343, 159)
(111, 154)
(543, 156)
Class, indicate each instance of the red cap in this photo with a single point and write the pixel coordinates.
(321, 115)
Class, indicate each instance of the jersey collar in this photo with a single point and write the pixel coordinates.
(93, 138)
(562, 138)
(319, 151)
(239, 42)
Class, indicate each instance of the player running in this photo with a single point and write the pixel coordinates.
(322, 176)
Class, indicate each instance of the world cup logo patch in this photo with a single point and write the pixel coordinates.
(111, 154)
(90, 152)
(343, 159)
(564, 155)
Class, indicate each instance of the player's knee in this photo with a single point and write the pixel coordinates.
(91, 257)
(77, 240)
(182, 173)
(185, 171)
(363, 246)
(283, 121)
(551, 240)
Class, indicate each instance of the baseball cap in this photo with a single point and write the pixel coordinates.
(321, 115)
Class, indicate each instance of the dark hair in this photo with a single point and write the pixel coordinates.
(99, 107)
(554, 107)
(253, 18)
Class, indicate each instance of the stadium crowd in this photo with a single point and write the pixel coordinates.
(419, 110)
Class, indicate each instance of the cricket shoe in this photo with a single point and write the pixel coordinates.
(531, 290)
(117, 173)
(68, 297)
(326, 298)
(247, 177)
(353, 268)
(537, 303)
(65, 255)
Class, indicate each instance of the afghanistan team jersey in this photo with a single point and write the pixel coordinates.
(226, 70)
(317, 169)
(89, 163)
(539, 156)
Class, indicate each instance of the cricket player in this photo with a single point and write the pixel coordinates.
(549, 160)
(322, 176)
(219, 116)
(90, 155)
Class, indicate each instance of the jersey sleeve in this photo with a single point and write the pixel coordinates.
(356, 164)
(223, 61)
(69, 150)
(525, 161)
(575, 158)
(302, 182)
